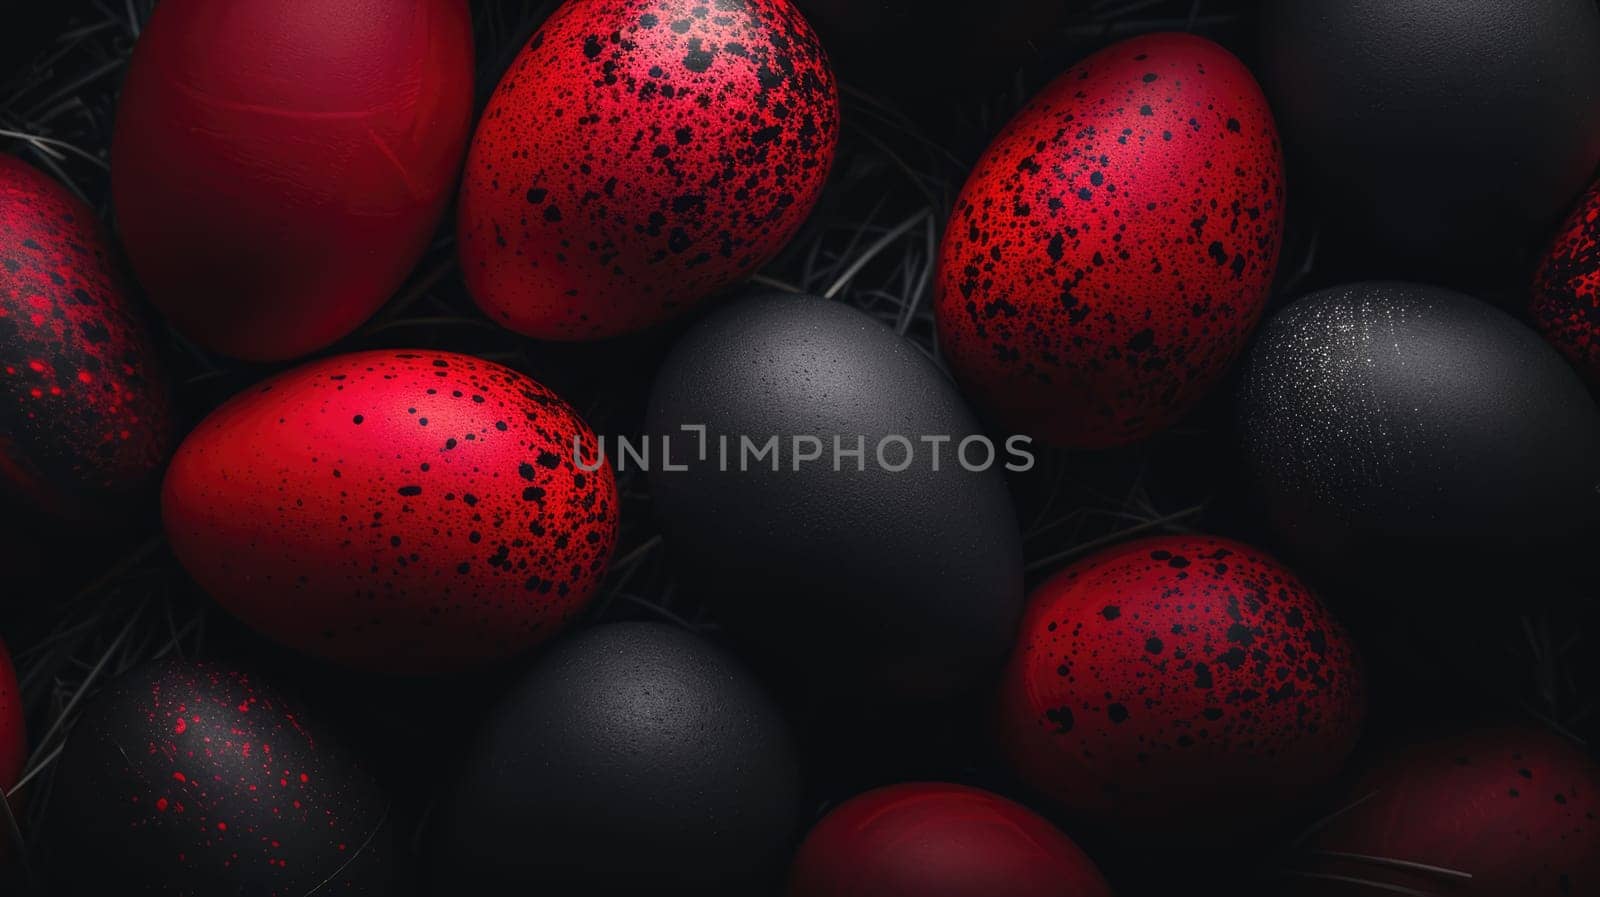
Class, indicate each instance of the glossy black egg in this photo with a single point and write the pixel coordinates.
(1455, 130)
(634, 758)
(1398, 424)
(189, 779)
(890, 583)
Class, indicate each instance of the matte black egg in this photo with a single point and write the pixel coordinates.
(189, 779)
(634, 758)
(897, 574)
(1453, 129)
(1391, 421)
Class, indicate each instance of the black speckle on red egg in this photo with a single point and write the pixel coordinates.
(1178, 681)
(191, 779)
(640, 155)
(401, 510)
(1114, 247)
(1566, 289)
(84, 409)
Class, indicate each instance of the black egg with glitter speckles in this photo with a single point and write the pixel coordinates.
(191, 779)
(1398, 425)
(635, 758)
(892, 575)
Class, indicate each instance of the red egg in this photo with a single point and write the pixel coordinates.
(937, 840)
(280, 165)
(1513, 808)
(13, 728)
(1566, 289)
(641, 155)
(1113, 249)
(1181, 682)
(85, 415)
(406, 511)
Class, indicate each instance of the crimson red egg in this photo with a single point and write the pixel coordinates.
(641, 155)
(1491, 812)
(938, 840)
(1114, 247)
(279, 166)
(395, 510)
(1566, 289)
(13, 728)
(1179, 682)
(85, 415)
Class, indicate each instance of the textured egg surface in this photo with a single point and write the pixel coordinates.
(279, 166)
(86, 416)
(1566, 289)
(1514, 808)
(13, 726)
(191, 779)
(1177, 681)
(1115, 245)
(401, 510)
(633, 758)
(938, 840)
(1386, 422)
(641, 155)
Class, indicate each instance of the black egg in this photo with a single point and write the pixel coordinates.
(1394, 425)
(1456, 130)
(634, 758)
(890, 583)
(189, 779)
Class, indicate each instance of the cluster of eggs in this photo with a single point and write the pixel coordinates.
(417, 511)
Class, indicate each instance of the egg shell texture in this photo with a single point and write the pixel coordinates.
(1179, 679)
(1514, 808)
(13, 725)
(191, 779)
(86, 415)
(641, 155)
(938, 840)
(395, 510)
(1566, 288)
(279, 166)
(1114, 247)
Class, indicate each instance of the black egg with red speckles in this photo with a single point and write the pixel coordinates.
(193, 779)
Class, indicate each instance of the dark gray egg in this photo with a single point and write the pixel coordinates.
(1398, 424)
(634, 758)
(1455, 130)
(896, 574)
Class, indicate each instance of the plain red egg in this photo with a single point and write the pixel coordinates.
(1566, 289)
(641, 155)
(13, 727)
(395, 510)
(1494, 812)
(1180, 683)
(938, 840)
(85, 412)
(1113, 249)
(279, 166)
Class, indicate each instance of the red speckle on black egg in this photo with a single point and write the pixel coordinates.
(1114, 247)
(84, 409)
(641, 155)
(1566, 289)
(395, 510)
(1177, 679)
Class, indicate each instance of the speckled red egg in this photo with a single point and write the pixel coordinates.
(85, 416)
(1514, 808)
(192, 779)
(641, 155)
(13, 727)
(1566, 289)
(929, 839)
(1178, 682)
(410, 511)
(1113, 249)
(280, 165)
